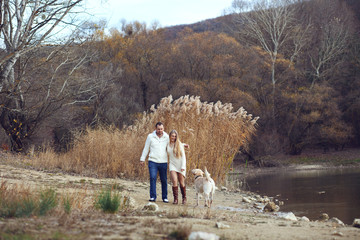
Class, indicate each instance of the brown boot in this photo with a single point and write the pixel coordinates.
(175, 193)
(183, 193)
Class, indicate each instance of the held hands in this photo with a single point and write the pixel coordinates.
(186, 146)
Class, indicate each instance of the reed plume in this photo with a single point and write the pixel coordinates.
(213, 131)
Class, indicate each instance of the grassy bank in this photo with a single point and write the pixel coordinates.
(229, 218)
(346, 157)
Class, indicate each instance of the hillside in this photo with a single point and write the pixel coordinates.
(217, 25)
(222, 23)
(304, 86)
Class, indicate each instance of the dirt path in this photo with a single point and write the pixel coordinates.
(240, 220)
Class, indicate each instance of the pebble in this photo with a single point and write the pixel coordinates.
(223, 188)
(221, 225)
(203, 236)
(304, 219)
(356, 223)
(337, 233)
(337, 222)
(151, 207)
(290, 216)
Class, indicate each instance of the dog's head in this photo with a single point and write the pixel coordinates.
(197, 172)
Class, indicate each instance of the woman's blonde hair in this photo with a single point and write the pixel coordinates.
(178, 144)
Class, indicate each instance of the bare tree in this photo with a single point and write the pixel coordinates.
(331, 37)
(333, 44)
(24, 27)
(273, 26)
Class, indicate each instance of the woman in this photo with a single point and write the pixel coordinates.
(177, 165)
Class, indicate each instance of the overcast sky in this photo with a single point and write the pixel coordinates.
(166, 12)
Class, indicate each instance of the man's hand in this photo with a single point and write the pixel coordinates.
(142, 163)
(186, 146)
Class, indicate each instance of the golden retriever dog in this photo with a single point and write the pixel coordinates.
(204, 185)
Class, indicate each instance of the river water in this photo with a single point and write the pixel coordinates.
(312, 192)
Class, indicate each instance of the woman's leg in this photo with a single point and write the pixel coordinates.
(181, 179)
(174, 180)
(182, 187)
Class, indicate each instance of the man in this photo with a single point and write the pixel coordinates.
(155, 146)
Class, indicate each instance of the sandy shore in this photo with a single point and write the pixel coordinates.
(229, 218)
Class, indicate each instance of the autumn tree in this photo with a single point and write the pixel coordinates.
(118, 97)
(322, 62)
(147, 53)
(350, 87)
(271, 25)
(313, 119)
(131, 65)
(210, 65)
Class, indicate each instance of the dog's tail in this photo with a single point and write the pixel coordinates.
(207, 175)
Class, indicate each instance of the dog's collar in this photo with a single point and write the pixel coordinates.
(197, 176)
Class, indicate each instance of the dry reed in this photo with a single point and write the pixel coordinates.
(213, 131)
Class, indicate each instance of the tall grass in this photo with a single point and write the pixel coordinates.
(48, 201)
(214, 131)
(19, 201)
(108, 200)
(67, 203)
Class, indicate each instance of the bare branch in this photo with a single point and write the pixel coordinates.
(24, 26)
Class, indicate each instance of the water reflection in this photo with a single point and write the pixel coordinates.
(312, 192)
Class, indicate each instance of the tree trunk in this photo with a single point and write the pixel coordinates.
(16, 127)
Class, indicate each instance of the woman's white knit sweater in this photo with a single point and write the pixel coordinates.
(157, 148)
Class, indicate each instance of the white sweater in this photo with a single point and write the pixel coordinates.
(157, 148)
(176, 164)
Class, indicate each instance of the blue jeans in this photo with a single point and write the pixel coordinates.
(153, 170)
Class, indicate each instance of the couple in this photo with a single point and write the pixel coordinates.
(159, 145)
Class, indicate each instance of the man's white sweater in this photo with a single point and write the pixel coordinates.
(157, 148)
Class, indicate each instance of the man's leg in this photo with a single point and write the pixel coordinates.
(153, 169)
(163, 178)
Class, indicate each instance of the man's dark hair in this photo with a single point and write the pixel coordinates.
(158, 124)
